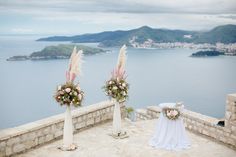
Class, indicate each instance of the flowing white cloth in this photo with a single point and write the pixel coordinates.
(169, 134)
(116, 118)
(68, 129)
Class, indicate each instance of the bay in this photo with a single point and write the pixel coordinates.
(155, 76)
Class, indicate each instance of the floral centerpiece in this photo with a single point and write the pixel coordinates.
(117, 89)
(171, 113)
(69, 94)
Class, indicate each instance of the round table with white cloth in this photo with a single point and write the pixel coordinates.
(170, 134)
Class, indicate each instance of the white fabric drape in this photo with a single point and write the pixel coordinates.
(116, 118)
(68, 129)
(169, 134)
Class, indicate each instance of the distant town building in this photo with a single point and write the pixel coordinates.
(188, 36)
(227, 49)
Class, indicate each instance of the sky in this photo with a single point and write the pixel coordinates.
(72, 17)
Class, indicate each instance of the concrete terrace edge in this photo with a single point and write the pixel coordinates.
(25, 137)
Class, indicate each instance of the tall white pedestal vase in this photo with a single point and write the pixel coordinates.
(117, 131)
(68, 144)
(68, 130)
(116, 118)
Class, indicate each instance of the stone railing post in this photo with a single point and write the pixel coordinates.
(230, 111)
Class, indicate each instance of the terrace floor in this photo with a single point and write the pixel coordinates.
(95, 142)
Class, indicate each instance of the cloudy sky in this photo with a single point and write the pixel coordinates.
(67, 17)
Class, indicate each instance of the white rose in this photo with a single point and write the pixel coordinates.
(124, 93)
(78, 87)
(123, 84)
(79, 96)
(168, 113)
(59, 88)
(68, 90)
(110, 82)
(75, 93)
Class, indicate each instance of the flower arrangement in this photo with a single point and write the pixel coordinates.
(69, 94)
(117, 89)
(171, 113)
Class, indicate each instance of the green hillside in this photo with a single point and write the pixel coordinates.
(224, 34)
(65, 50)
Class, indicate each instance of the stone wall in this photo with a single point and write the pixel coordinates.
(206, 125)
(230, 110)
(22, 138)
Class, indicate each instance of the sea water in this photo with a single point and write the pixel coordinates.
(155, 76)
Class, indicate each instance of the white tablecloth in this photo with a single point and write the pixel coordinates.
(169, 134)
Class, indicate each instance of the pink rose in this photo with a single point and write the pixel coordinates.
(67, 90)
(175, 112)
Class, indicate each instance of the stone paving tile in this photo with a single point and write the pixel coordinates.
(95, 142)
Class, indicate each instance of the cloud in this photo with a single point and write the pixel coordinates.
(89, 16)
(233, 17)
(22, 30)
(122, 6)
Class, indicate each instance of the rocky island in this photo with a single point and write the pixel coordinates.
(208, 53)
(62, 51)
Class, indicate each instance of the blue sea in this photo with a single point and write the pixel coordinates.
(155, 76)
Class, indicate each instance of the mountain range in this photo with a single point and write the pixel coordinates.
(224, 34)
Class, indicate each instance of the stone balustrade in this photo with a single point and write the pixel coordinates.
(206, 125)
(230, 111)
(25, 137)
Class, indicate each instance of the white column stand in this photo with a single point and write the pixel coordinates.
(116, 119)
(68, 132)
(117, 132)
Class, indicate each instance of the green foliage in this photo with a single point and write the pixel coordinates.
(224, 34)
(129, 110)
(65, 50)
(207, 53)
